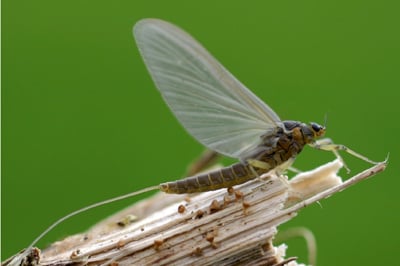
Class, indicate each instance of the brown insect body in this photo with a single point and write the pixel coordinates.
(275, 149)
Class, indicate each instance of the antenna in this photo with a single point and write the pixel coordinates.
(325, 119)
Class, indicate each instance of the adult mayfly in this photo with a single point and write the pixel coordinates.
(218, 111)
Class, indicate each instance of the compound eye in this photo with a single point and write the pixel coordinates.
(316, 127)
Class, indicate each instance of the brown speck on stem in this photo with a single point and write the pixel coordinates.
(199, 214)
(121, 243)
(75, 254)
(210, 237)
(181, 209)
(158, 243)
(197, 251)
(246, 205)
(215, 206)
(238, 194)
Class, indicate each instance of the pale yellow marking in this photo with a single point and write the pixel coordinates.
(259, 164)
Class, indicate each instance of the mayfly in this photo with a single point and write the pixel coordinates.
(219, 112)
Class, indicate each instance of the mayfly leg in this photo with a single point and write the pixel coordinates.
(327, 144)
(278, 170)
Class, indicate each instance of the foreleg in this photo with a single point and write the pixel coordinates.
(328, 145)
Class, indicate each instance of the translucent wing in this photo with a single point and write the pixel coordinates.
(211, 104)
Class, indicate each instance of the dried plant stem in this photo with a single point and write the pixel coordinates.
(211, 228)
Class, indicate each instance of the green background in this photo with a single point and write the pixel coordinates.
(82, 121)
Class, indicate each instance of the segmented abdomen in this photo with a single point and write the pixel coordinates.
(226, 177)
(277, 150)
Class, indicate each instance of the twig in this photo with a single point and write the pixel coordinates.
(210, 228)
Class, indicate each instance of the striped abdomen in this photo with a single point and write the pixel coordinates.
(225, 177)
(275, 150)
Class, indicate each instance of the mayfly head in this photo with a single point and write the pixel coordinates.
(318, 130)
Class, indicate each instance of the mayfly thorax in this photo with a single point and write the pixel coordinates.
(219, 112)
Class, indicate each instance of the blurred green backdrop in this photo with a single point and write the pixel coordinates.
(82, 121)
